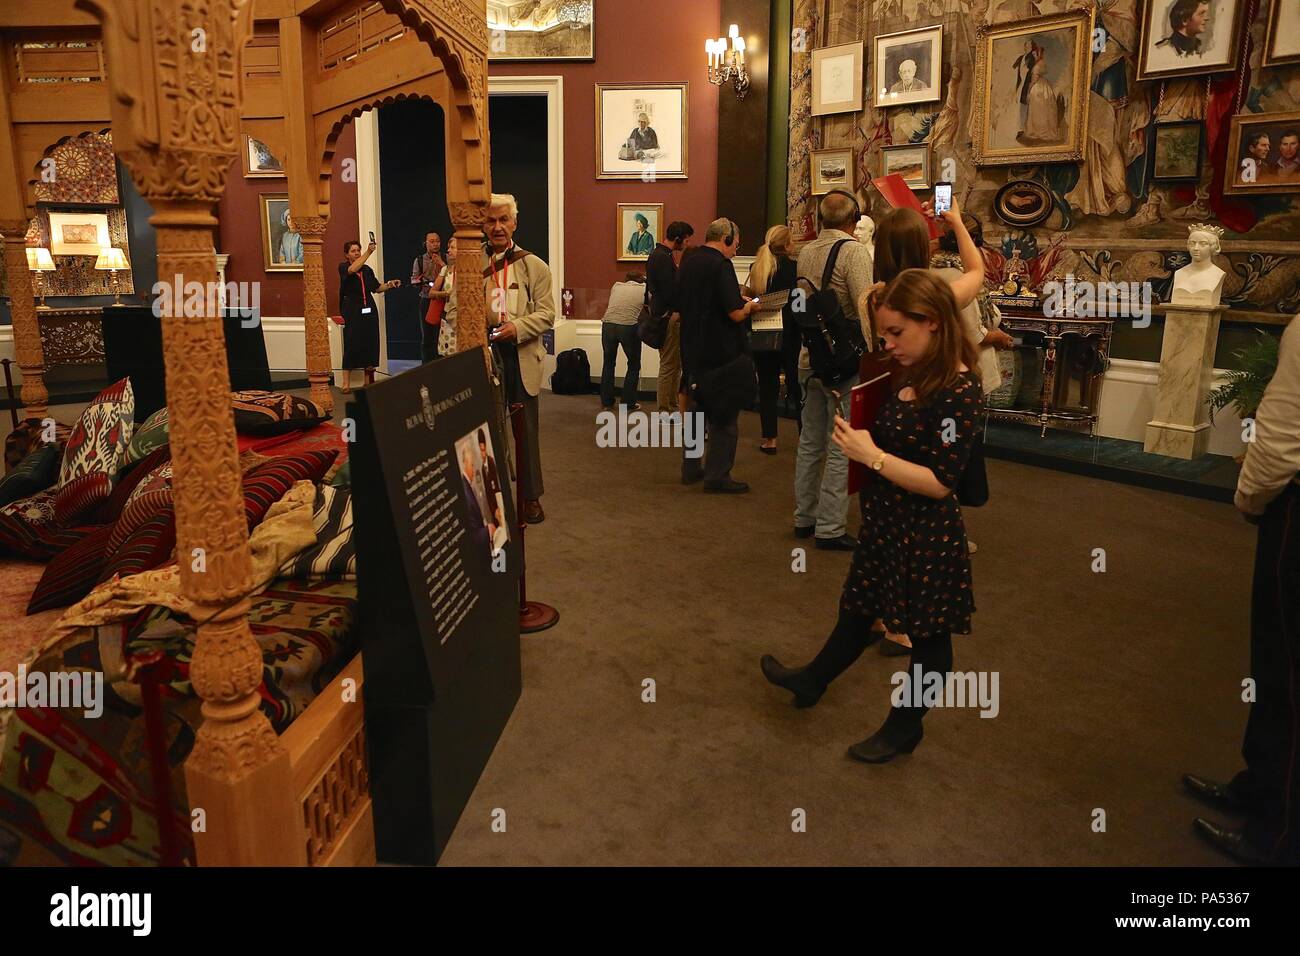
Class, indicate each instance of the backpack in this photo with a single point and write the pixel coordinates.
(572, 374)
(834, 341)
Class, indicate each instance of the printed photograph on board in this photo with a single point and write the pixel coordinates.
(480, 478)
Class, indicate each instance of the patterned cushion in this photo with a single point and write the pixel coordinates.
(267, 483)
(137, 511)
(149, 546)
(149, 437)
(333, 557)
(273, 413)
(100, 437)
(28, 529)
(82, 495)
(29, 436)
(70, 575)
(36, 472)
(126, 485)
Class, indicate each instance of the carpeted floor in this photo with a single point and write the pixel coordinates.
(1111, 684)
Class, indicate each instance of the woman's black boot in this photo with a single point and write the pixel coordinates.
(852, 636)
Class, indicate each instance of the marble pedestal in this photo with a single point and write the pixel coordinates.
(1180, 426)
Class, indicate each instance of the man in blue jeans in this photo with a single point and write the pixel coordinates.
(618, 328)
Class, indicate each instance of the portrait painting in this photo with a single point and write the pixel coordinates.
(259, 161)
(1177, 151)
(281, 243)
(640, 226)
(533, 30)
(1264, 153)
(78, 233)
(1187, 37)
(831, 169)
(1031, 83)
(910, 160)
(1282, 44)
(907, 66)
(837, 79)
(641, 131)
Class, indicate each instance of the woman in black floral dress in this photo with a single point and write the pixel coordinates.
(911, 569)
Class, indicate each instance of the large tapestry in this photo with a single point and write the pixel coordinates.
(1111, 218)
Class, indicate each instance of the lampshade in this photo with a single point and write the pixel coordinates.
(708, 46)
(733, 31)
(112, 258)
(738, 44)
(39, 260)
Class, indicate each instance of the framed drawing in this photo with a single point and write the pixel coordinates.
(1264, 154)
(281, 245)
(1283, 43)
(907, 66)
(910, 160)
(1031, 89)
(641, 131)
(1178, 151)
(640, 226)
(259, 161)
(78, 233)
(1186, 37)
(522, 31)
(837, 79)
(831, 169)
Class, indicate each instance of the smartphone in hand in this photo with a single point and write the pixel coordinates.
(942, 198)
(372, 237)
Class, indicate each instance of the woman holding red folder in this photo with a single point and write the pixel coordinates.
(911, 569)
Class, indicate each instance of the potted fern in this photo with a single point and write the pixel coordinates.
(1244, 389)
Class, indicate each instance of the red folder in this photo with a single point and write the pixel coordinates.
(900, 196)
(866, 400)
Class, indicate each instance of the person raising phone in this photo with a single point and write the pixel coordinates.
(358, 286)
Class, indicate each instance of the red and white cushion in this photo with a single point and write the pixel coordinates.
(99, 439)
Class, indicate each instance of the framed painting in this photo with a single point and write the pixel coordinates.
(1187, 37)
(532, 31)
(1282, 45)
(640, 226)
(281, 244)
(259, 161)
(907, 66)
(641, 131)
(1177, 151)
(837, 79)
(78, 233)
(910, 160)
(1264, 154)
(1023, 203)
(831, 169)
(1031, 89)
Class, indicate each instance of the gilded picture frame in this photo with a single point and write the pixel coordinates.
(626, 235)
(893, 84)
(1282, 42)
(627, 116)
(281, 246)
(909, 160)
(259, 161)
(1165, 53)
(1031, 89)
(1259, 168)
(830, 169)
(837, 79)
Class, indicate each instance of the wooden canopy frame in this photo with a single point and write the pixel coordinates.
(178, 83)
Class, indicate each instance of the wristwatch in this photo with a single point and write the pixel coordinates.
(879, 463)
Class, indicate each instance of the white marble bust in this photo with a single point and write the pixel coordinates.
(865, 233)
(1200, 282)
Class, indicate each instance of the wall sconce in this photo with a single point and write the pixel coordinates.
(727, 61)
(38, 261)
(112, 259)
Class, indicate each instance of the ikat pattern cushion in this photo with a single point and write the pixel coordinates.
(99, 439)
(149, 437)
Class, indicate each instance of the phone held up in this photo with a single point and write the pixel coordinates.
(372, 238)
(942, 198)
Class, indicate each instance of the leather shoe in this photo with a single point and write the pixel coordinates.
(533, 513)
(1230, 842)
(845, 542)
(879, 749)
(728, 487)
(798, 681)
(804, 531)
(1217, 794)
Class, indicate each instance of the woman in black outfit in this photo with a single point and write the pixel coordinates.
(911, 569)
(774, 271)
(357, 288)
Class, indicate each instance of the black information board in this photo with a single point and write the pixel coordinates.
(438, 595)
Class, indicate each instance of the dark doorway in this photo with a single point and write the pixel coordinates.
(517, 125)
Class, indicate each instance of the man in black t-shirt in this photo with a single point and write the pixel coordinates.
(715, 351)
(661, 282)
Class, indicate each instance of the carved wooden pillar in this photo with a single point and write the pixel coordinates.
(174, 74)
(471, 308)
(22, 310)
(320, 367)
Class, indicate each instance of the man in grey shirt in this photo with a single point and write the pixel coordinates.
(618, 328)
(821, 472)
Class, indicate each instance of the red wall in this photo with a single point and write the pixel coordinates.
(241, 234)
(634, 44)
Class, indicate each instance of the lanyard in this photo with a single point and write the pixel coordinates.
(361, 277)
(502, 285)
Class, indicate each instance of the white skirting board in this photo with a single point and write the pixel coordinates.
(1127, 392)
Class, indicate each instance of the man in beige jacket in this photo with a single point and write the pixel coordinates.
(520, 307)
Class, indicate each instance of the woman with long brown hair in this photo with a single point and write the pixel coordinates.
(911, 569)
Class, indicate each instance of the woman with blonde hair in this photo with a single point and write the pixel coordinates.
(774, 271)
(910, 570)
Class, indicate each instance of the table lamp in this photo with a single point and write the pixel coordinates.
(112, 259)
(39, 260)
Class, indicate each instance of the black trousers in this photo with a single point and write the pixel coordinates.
(1271, 780)
(770, 365)
(428, 335)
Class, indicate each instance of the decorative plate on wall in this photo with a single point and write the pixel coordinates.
(1023, 203)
